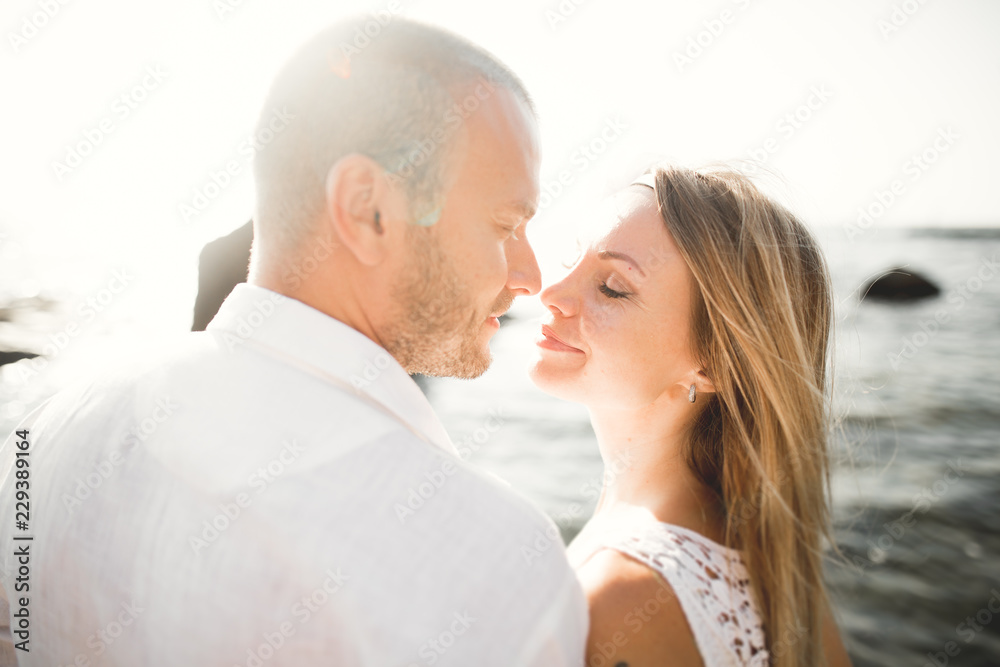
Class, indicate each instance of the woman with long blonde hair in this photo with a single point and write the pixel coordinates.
(696, 330)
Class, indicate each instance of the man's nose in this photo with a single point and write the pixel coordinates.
(523, 275)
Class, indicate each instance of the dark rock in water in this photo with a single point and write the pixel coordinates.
(12, 356)
(898, 284)
(423, 381)
(222, 265)
(19, 308)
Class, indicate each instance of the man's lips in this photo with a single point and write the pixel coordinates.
(494, 319)
(504, 302)
(551, 341)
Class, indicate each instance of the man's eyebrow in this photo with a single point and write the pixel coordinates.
(520, 209)
(611, 254)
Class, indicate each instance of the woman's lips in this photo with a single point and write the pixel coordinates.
(550, 341)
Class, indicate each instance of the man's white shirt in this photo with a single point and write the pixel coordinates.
(274, 491)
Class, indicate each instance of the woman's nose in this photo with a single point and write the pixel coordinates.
(560, 298)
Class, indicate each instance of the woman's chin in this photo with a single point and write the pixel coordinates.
(554, 383)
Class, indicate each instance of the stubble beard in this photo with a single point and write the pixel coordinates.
(438, 328)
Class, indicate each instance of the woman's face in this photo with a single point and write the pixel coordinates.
(620, 333)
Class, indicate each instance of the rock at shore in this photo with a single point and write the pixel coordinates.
(222, 265)
(15, 355)
(900, 284)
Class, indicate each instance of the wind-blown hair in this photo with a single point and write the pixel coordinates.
(761, 325)
(384, 88)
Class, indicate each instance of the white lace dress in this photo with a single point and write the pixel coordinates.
(709, 580)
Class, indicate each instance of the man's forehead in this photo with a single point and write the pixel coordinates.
(499, 152)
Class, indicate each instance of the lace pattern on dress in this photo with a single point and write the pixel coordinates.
(712, 586)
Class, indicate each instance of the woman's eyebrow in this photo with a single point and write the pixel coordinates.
(612, 254)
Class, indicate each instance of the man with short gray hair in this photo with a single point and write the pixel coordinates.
(277, 490)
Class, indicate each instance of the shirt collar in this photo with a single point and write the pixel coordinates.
(291, 327)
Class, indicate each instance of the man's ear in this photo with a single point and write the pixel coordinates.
(359, 208)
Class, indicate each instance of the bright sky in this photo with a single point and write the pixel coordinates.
(839, 98)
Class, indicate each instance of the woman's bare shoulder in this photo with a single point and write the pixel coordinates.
(635, 618)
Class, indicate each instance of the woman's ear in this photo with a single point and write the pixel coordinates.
(359, 208)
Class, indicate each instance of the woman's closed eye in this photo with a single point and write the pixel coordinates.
(611, 293)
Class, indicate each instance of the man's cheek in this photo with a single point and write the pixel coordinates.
(494, 270)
